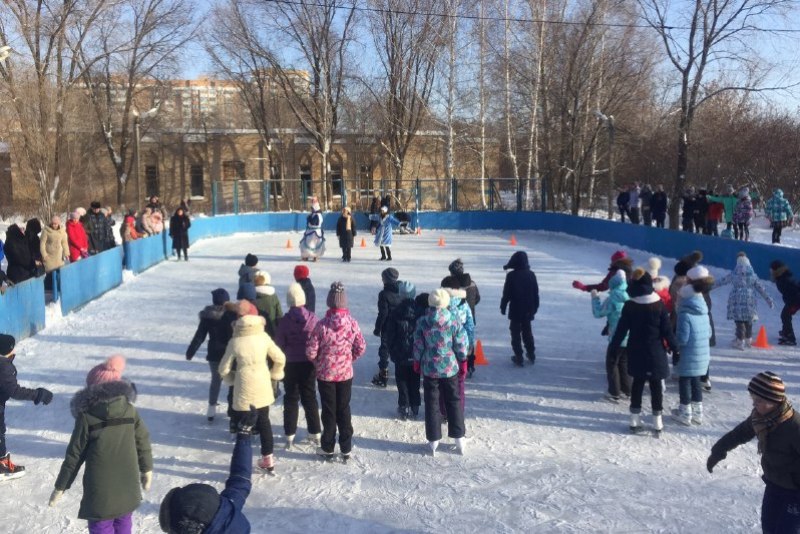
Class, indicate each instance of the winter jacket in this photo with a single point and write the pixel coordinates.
(128, 231)
(743, 213)
(440, 343)
(633, 198)
(693, 333)
(54, 248)
(18, 256)
(145, 223)
(399, 332)
(742, 298)
(716, 211)
(247, 277)
(647, 322)
(98, 229)
(389, 298)
(311, 294)
(77, 240)
(689, 207)
(728, 202)
(32, 230)
(383, 235)
(179, 231)
(9, 388)
(658, 203)
(251, 347)
(293, 332)
(335, 343)
(157, 222)
(623, 200)
(216, 322)
(622, 264)
(229, 518)
(520, 292)
(269, 307)
(473, 295)
(114, 444)
(612, 306)
(777, 209)
(460, 309)
(787, 285)
(346, 237)
(780, 458)
(645, 196)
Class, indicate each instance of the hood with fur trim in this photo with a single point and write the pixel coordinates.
(265, 290)
(89, 397)
(212, 312)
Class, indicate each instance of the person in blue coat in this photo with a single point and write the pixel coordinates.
(198, 508)
(693, 333)
(619, 383)
(383, 234)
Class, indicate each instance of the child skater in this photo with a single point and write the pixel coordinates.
(301, 276)
(247, 276)
(334, 345)
(346, 232)
(619, 383)
(113, 442)
(440, 355)
(293, 333)
(461, 310)
(389, 298)
(789, 288)
(693, 334)
(400, 340)
(521, 297)
(742, 299)
(456, 269)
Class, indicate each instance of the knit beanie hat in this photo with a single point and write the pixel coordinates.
(295, 296)
(451, 282)
(262, 278)
(188, 509)
(439, 298)
(653, 264)
(245, 307)
(80, 211)
(768, 386)
(7, 344)
(109, 371)
(300, 272)
(337, 298)
(618, 255)
(457, 267)
(693, 258)
(697, 273)
(219, 296)
(251, 260)
(390, 275)
(641, 283)
(95, 205)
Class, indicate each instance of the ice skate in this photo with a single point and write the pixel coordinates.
(414, 412)
(461, 446)
(748, 342)
(707, 385)
(433, 445)
(211, 412)
(613, 399)
(517, 360)
(325, 455)
(402, 413)
(658, 425)
(381, 379)
(314, 439)
(636, 423)
(738, 344)
(697, 413)
(683, 414)
(9, 470)
(267, 463)
(289, 441)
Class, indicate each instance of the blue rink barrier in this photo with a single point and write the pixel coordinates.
(87, 279)
(22, 308)
(142, 254)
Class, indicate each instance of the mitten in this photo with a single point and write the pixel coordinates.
(712, 461)
(247, 421)
(462, 369)
(43, 396)
(416, 367)
(594, 293)
(147, 480)
(376, 332)
(578, 285)
(502, 310)
(189, 355)
(55, 497)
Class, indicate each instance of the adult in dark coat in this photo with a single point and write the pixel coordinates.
(701, 207)
(216, 322)
(389, 298)
(689, 208)
(658, 206)
(98, 230)
(10, 389)
(623, 200)
(521, 297)
(346, 232)
(789, 288)
(18, 255)
(777, 426)
(645, 318)
(179, 225)
(646, 197)
(33, 227)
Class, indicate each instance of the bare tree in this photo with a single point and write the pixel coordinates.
(714, 39)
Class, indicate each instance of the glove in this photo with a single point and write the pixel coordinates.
(147, 480)
(376, 332)
(55, 497)
(416, 368)
(43, 396)
(676, 357)
(594, 293)
(578, 285)
(248, 421)
(189, 355)
(462, 369)
(502, 311)
(712, 461)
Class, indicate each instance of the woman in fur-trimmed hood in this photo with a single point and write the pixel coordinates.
(114, 444)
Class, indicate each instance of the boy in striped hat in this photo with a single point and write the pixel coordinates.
(776, 425)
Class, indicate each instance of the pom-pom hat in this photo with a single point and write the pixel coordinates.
(109, 371)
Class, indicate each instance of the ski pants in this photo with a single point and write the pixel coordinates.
(300, 382)
(521, 333)
(617, 371)
(335, 397)
(119, 525)
(262, 426)
(447, 388)
(656, 394)
(780, 510)
(407, 385)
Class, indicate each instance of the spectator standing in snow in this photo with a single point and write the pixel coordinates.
(623, 201)
(742, 299)
(646, 197)
(54, 248)
(728, 201)
(645, 321)
(301, 276)
(128, 229)
(293, 333)
(440, 355)
(775, 424)
(521, 297)
(10, 389)
(32, 230)
(634, 203)
(76, 238)
(714, 214)
(157, 221)
(334, 345)
(689, 207)
(658, 206)
(619, 383)
(789, 288)
(216, 322)
(742, 215)
(112, 441)
(18, 255)
(779, 213)
(98, 229)
(383, 234)
(346, 232)
(179, 225)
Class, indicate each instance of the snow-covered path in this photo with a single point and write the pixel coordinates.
(546, 454)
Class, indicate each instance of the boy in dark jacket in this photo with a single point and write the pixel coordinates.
(473, 298)
(400, 336)
(389, 298)
(216, 322)
(199, 508)
(789, 288)
(776, 425)
(521, 296)
(301, 276)
(9, 389)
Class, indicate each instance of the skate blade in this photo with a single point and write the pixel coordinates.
(12, 476)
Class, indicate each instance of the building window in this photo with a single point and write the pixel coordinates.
(336, 180)
(196, 177)
(365, 179)
(233, 170)
(151, 181)
(276, 183)
(305, 180)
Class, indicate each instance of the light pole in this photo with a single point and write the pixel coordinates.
(137, 117)
(609, 122)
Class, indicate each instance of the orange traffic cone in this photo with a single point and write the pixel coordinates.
(480, 358)
(363, 243)
(761, 340)
(288, 243)
(513, 241)
(441, 241)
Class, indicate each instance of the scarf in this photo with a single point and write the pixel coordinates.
(764, 424)
(347, 224)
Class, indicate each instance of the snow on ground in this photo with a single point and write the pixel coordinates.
(546, 454)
